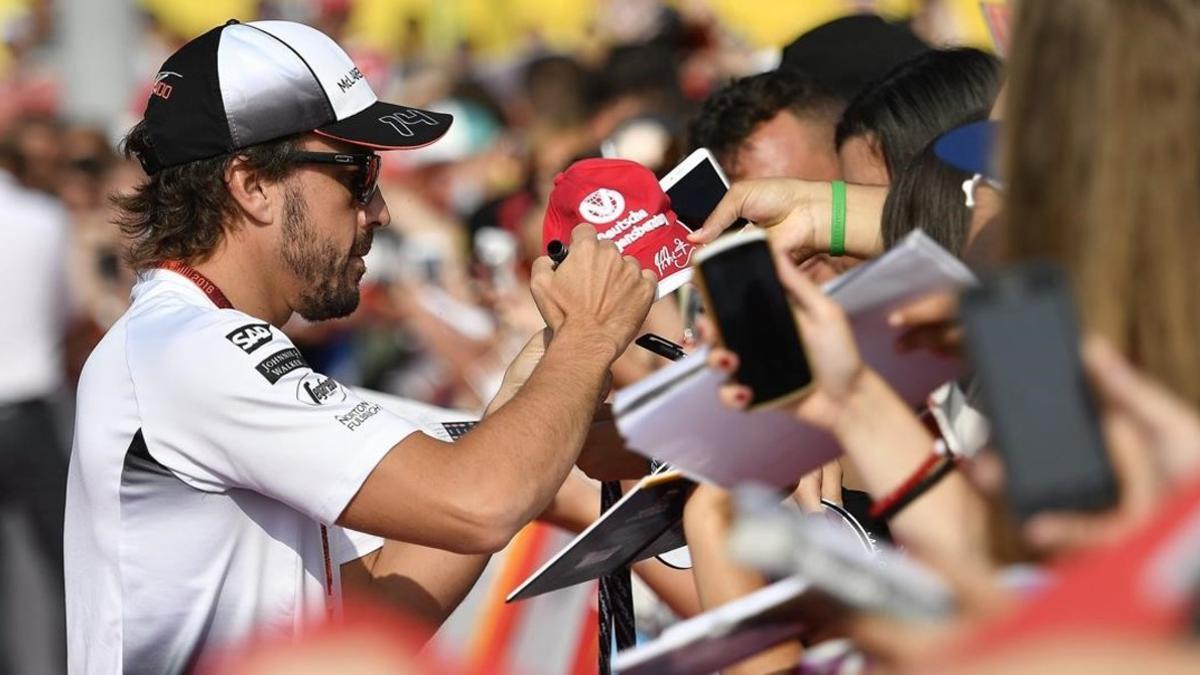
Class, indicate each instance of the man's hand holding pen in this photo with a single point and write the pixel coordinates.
(595, 292)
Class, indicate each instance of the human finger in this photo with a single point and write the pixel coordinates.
(582, 232)
(937, 307)
(1119, 384)
(735, 396)
(540, 280)
(808, 492)
(831, 482)
(986, 473)
(722, 360)
(723, 215)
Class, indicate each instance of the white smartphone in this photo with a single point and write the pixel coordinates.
(695, 187)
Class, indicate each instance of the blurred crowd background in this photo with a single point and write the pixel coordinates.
(533, 85)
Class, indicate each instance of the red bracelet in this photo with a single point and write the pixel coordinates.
(933, 469)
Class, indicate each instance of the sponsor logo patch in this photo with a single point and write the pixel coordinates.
(250, 337)
(161, 89)
(280, 363)
(358, 415)
(349, 79)
(316, 389)
(402, 122)
(602, 206)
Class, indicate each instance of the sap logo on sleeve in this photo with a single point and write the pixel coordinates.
(316, 389)
(251, 336)
(280, 363)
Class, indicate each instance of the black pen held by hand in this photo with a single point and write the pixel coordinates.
(661, 346)
(557, 252)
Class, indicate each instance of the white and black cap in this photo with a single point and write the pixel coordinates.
(241, 84)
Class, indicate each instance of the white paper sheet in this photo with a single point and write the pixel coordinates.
(717, 638)
(675, 416)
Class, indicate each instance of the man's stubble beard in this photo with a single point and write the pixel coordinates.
(327, 291)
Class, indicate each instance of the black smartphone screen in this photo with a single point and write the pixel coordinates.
(695, 196)
(1024, 345)
(755, 320)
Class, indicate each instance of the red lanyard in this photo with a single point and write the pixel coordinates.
(218, 298)
(202, 282)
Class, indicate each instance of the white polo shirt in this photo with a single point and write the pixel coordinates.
(207, 455)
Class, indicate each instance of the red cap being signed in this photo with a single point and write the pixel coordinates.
(623, 201)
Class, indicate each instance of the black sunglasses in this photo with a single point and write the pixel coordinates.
(366, 178)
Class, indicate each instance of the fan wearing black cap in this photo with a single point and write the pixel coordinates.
(219, 484)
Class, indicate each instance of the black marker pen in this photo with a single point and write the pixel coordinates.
(661, 346)
(557, 252)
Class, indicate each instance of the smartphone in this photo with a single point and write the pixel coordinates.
(753, 319)
(695, 187)
(1023, 342)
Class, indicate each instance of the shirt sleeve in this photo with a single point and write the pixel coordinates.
(346, 545)
(228, 402)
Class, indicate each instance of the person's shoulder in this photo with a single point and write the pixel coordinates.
(168, 334)
(106, 363)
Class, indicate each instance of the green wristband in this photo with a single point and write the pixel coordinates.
(837, 225)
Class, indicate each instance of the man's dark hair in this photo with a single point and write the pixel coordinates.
(179, 212)
(921, 99)
(731, 114)
(927, 194)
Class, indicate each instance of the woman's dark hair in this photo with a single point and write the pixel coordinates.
(927, 194)
(919, 100)
(179, 212)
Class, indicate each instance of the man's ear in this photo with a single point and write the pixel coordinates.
(250, 192)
